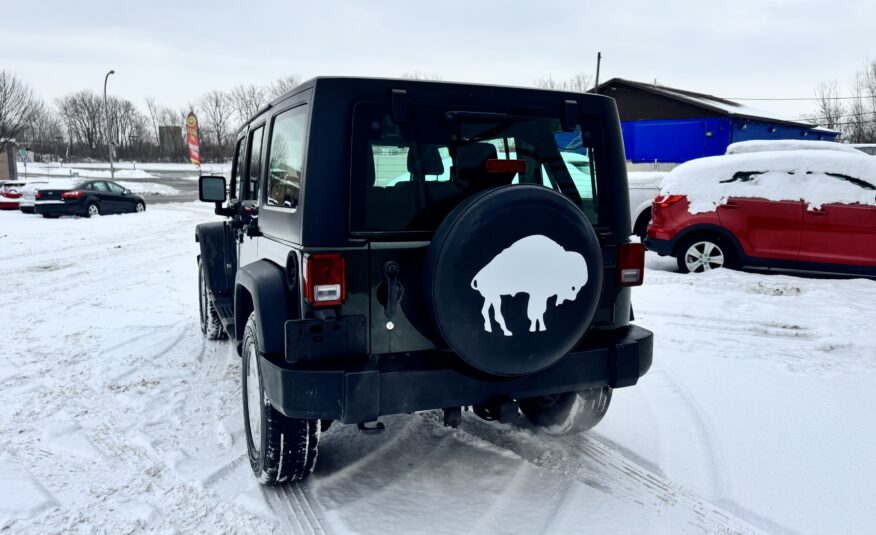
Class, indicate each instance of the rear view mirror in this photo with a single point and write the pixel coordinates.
(211, 189)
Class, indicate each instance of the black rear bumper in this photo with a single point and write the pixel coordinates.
(661, 247)
(412, 382)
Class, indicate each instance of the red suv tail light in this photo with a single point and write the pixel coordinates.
(75, 194)
(630, 264)
(37, 194)
(664, 201)
(324, 279)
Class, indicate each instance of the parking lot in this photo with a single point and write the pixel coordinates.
(116, 414)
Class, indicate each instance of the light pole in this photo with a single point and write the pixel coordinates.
(109, 142)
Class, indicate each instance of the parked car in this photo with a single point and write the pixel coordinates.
(352, 294)
(86, 198)
(791, 210)
(28, 192)
(775, 145)
(644, 187)
(10, 194)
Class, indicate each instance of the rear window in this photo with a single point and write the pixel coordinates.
(409, 176)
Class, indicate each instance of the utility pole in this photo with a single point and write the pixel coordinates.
(109, 142)
(598, 64)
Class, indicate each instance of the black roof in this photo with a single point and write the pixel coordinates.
(714, 105)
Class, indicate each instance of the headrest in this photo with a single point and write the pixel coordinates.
(474, 156)
(430, 161)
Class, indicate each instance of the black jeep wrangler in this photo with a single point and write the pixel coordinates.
(395, 246)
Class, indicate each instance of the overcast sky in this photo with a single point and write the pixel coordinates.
(177, 50)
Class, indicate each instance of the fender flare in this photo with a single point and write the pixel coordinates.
(261, 287)
(211, 238)
(710, 229)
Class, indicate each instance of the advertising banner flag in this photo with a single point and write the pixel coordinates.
(192, 138)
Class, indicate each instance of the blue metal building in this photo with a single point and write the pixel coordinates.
(665, 125)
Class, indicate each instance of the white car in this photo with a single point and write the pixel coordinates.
(28, 192)
(644, 187)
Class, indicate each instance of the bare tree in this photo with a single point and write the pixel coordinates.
(830, 109)
(216, 110)
(578, 83)
(18, 104)
(248, 100)
(82, 113)
(417, 75)
(283, 85)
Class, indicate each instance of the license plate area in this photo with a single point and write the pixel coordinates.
(315, 339)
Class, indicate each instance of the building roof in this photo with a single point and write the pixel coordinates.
(705, 101)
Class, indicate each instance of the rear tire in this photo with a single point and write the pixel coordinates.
(641, 227)
(92, 210)
(697, 254)
(280, 449)
(571, 412)
(211, 325)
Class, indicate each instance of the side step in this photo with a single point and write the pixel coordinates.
(225, 309)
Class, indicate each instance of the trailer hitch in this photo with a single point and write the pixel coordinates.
(375, 430)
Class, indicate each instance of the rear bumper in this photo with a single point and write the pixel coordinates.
(412, 382)
(661, 247)
(57, 208)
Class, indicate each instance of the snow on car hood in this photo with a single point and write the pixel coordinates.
(815, 177)
(645, 179)
(772, 145)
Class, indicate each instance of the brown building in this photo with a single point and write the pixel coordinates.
(8, 169)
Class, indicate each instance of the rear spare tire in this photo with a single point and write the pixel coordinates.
(513, 279)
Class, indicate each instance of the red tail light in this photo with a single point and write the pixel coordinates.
(12, 194)
(506, 166)
(75, 194)
(630, 264)
(37, 194)
(664, 201)
(324, 279)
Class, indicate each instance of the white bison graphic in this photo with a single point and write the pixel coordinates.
(535, 265)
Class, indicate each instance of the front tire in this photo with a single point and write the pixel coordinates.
(570, 412)
(140, 208)
(280, 449)
(704, 253)
(211, 325)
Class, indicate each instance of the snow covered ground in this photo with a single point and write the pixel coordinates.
(117, 417)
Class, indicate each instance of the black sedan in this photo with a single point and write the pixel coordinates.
(86, 198)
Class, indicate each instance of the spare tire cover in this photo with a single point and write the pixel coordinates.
(513, 278)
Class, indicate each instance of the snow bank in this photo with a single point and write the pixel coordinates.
(149, 188)
(767, 145)
(815, 177)
(42, 170)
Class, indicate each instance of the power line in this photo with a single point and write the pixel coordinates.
(802, 98)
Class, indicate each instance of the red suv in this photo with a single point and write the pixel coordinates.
(810, 210)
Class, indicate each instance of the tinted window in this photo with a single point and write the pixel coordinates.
(408, 176)
(286, 158)
(115, 188)
(251, 189)
(237, 176)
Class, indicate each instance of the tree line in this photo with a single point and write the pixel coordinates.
(78, 126)
(851, 109)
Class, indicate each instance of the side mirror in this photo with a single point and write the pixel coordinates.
(211, 189)
(126, 192)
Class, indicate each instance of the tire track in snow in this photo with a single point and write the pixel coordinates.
(598, 465)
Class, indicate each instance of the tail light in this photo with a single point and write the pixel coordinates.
(664, 201)
(75, 194)
(506, 166)
(630, 264)
(12, 194)
(324, 279)
(37, 195)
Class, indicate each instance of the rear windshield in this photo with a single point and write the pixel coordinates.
(408, 176)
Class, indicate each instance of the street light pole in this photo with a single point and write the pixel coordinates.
(109, 142)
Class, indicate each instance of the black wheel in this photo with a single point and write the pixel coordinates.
(697, 254)
(211, 325)
(140, 207)
(571, 412)
(641, 227)
(280, 449)
(92, 210)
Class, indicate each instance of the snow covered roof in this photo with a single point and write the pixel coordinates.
(816, 177)
(767, 145)
(709, 102)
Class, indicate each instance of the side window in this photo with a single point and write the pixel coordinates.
(251, 187)
(115, 188)
(287, 158)
(99, 186)
(237, 176)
